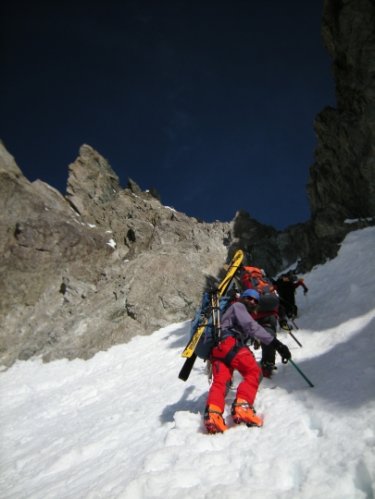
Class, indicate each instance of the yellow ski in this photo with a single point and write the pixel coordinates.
(222, 288)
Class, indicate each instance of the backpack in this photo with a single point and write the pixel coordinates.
(206, 313)
(255, 278)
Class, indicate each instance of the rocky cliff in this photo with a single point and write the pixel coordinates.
(81, 273)
(342, 179)
(95, 267)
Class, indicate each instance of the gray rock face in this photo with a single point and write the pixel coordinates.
(342, 179)
(81, 273)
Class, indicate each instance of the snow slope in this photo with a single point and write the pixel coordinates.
(122, 425)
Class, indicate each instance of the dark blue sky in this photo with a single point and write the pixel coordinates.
(212, 103)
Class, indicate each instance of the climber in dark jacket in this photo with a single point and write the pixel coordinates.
(237, 328)
(286, 287)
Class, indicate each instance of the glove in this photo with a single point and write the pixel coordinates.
(282, 350)
(305, 291)
(256, 345)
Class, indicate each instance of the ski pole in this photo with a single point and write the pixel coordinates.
(294, 338)
(216, 316)
(289, 330)
(301, 373)
(294, 324)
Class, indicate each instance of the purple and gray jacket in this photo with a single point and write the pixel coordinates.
(237, 319)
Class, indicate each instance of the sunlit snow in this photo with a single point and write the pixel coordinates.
(122, 425)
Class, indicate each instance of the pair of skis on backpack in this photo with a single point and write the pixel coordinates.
(189, 351)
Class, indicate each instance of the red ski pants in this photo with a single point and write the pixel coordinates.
(244, 362)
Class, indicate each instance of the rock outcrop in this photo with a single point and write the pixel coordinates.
(82, 272)
(342, 179)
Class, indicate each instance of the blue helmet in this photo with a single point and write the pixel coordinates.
(251, 293)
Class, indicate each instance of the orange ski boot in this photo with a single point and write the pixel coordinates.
(213, 420)
(243, 412)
